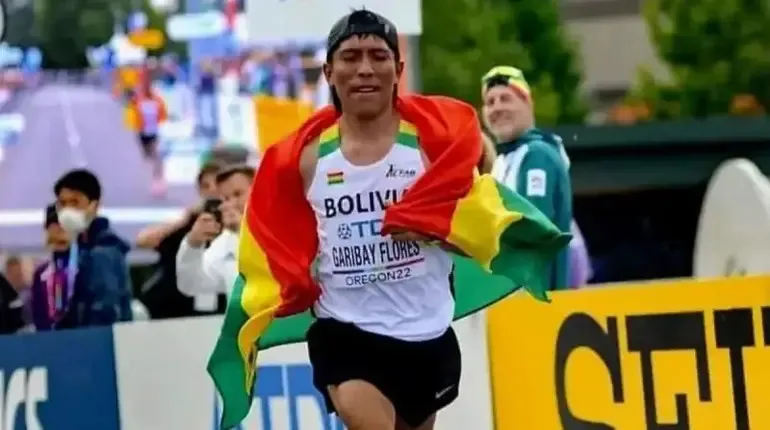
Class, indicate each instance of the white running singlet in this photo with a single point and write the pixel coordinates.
(149, 109)
(391, 288)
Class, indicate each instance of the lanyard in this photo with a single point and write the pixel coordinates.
(57, 305)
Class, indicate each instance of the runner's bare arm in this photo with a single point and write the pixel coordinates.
(307, 164)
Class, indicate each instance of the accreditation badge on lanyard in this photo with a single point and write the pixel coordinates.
(61, 289)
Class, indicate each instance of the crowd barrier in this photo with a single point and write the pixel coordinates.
(151, 375)
(676, 355)
(679, 355)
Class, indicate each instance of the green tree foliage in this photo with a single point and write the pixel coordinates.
(61, 32)
(158, 20)
(68, 27)
(21, 18)
(716, 51)
(462, 39)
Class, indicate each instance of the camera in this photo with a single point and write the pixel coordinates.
(211, 206)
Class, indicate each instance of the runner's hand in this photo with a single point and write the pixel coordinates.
(205, 229)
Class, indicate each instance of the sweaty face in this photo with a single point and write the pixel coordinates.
(234, 192)
(364, 73)
(506, 113)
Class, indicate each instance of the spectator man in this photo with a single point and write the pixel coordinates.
(214, 269)
(11, 308)
(99, 285)
(161, 296)
(18, 271)
(531, 162)
(53, 281)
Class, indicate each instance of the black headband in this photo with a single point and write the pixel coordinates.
(362, 22)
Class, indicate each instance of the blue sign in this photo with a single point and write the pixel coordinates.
(63, 380)
(290, 382)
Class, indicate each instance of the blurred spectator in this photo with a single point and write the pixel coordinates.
(11, 308)
(171, 73)
(101, 285)
(207, 84)
(228, 155)
(285, 79)
(253, 72)
(13, 295)
(579, 261)
(312, 67)
(213, 269)
(18, 271)
(160, 293)
(206, 91)
(532, 163)
(54, 281)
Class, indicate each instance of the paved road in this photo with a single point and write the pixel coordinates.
(76, 126)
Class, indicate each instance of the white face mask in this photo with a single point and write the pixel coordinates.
(72, 220)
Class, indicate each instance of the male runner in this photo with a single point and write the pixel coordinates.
(149, 112)
(382, 349)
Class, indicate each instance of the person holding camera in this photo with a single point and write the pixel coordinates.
(160, 293)
(207, 259)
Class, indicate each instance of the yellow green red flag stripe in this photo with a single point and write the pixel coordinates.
(335, 178)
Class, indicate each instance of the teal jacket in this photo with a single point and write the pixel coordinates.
(536, 167)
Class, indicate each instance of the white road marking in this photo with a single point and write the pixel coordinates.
(73, 136)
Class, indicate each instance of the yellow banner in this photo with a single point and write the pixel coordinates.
(676, 355)
(277, 118)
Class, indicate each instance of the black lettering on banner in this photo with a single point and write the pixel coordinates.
(669, 332)
(646, 334)
(735, 331)
(581, 330)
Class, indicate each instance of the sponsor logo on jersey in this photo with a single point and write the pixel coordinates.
(396, 172)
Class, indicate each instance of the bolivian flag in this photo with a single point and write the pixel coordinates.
(499, 232)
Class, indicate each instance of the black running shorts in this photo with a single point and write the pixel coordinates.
(419, 378)
(148, 143)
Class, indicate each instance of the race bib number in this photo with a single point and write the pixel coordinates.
(386, 261)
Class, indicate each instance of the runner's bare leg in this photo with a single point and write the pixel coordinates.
(361, 406)
(427, 425)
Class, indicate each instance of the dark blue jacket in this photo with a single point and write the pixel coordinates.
(103, 284)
